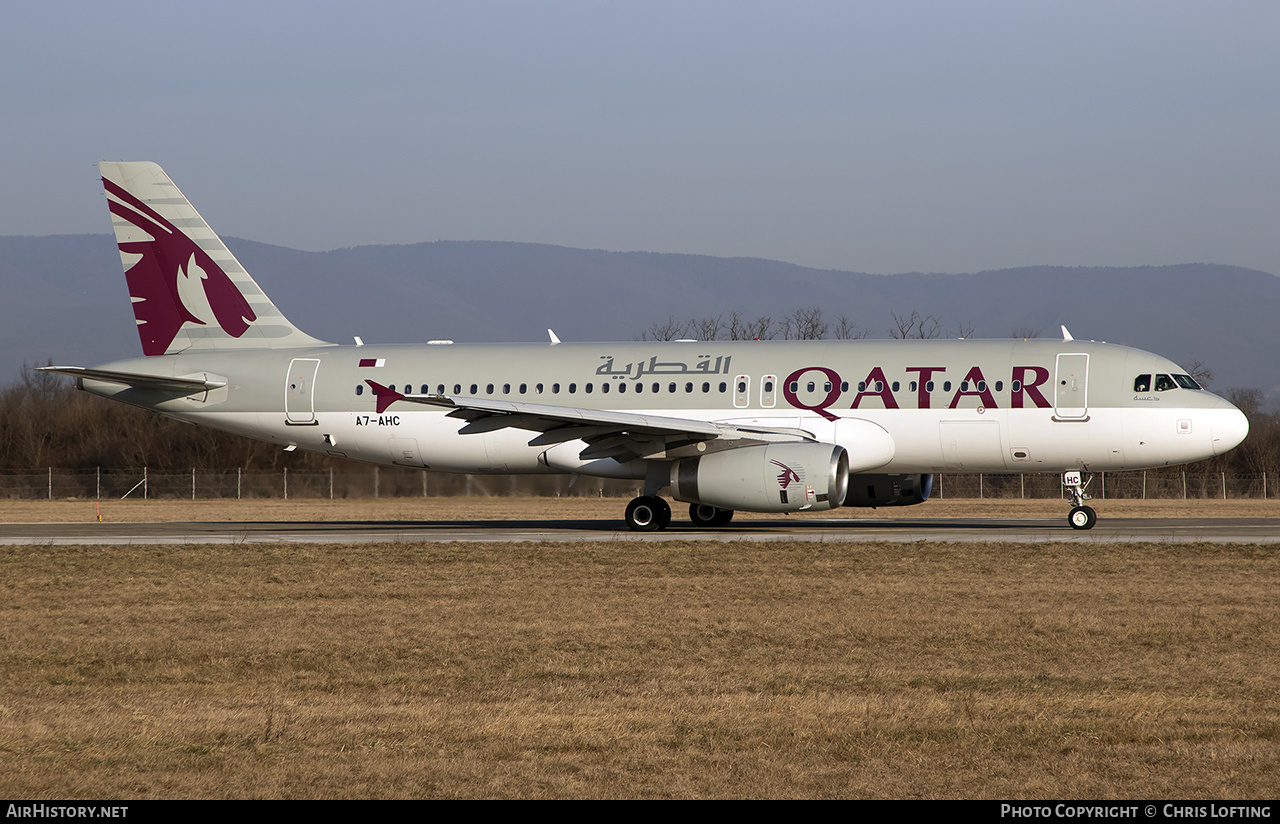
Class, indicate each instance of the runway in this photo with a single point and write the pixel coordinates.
(1112, 530)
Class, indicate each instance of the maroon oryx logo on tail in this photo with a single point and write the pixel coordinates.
(173, 266)
(786, 476)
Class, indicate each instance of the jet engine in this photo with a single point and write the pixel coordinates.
(785, 477)
(888, 490)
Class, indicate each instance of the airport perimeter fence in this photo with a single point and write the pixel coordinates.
(144, 483)
(375, 482)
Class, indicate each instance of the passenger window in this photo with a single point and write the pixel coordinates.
(359, 388)
(1142, 383)
(1164, 383)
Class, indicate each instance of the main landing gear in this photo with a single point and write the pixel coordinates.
(649, 513)
(709, 516)
(1081, 516)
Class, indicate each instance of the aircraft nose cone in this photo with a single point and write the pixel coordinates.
(1230, 427)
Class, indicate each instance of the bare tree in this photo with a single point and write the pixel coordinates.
(1200, 372)
(848, 330)
(916, 326)
(807, 324)
(670, 329)
(1025, 332)
(1260, 451)
(706, 328)
(762, 328)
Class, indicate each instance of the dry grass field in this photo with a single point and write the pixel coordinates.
(680, 669)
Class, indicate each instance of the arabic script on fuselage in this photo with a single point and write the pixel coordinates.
(638, 369)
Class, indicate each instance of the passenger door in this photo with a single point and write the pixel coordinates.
(299, 389)
(1070, 389)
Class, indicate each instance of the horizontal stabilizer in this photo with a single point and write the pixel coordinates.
(182, 385)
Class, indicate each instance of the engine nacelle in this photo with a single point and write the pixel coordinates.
(783, 477)
(888, 490)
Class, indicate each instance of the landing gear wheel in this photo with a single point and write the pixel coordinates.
(647, 514)
(709, 516)
(664, 513)
(1082, 517)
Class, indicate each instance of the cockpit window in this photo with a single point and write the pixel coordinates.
(1165, 383)
(1142, 383)
(1187, 382)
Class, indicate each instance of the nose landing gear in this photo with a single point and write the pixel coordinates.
(1081, 516)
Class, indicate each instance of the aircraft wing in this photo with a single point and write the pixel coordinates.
(608, 433)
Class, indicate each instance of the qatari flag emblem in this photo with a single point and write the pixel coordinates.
(373, 361)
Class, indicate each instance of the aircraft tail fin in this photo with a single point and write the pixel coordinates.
(189, 292)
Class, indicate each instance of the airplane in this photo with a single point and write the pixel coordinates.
(760, 426)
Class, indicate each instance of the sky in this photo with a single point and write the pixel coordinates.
(936, 136)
